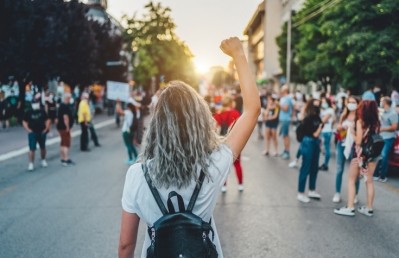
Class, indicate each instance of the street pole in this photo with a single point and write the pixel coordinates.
(288, 75)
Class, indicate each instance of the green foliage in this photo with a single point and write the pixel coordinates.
(350, 43)
(47, 39)
(158, 51)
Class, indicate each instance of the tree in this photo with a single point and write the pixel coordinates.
(158, 51)
(47, 39)
(348, 43)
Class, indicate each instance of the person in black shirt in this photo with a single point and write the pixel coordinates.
(64, 125)
(37, 124)
(310, 150)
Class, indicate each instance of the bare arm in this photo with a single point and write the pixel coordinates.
(391, 128)
(25, 125)
(118, 109)
(128, 236)
(66, 121)
(244, 126)
(316, 134)
(48, 125)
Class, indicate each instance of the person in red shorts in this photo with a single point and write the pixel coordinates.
(225, 120)
(64, 125)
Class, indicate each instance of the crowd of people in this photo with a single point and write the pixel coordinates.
(327, 124)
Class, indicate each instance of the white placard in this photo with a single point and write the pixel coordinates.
(118, 90)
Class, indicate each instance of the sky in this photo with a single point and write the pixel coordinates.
(202, 24)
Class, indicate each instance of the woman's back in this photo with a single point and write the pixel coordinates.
(137, 197)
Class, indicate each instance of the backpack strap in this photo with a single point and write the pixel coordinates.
(179, 201)
(196, 192)
(154, 191)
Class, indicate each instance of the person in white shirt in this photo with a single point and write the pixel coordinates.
(181, 141)
(328, 117)
(127, 130)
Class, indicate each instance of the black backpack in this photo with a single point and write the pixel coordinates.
(300, 132)
(135, 122)
(182, 233)
(372, 146)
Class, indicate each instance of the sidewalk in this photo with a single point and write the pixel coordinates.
(15, 138)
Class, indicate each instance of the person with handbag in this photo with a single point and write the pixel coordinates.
(346, 121)
(181, 145)
(366, 124)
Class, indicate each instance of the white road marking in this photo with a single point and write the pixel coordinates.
(24, 150)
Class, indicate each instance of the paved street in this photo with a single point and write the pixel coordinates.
(75, 211)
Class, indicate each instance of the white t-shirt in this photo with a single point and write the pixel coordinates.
(137, 197)
(127, 122)
(328, 126)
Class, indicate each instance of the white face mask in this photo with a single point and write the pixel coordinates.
(352, 106)
(324, 105)
(35, 106)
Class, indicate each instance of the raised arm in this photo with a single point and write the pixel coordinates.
(242, 130)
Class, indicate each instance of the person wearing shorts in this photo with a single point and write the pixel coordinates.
(64, 125)
(37, 124)
(286, 108)
(271, 122)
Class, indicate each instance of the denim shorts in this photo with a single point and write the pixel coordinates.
(35, 138)
(284, 128)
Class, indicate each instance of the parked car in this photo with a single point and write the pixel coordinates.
(394, 158)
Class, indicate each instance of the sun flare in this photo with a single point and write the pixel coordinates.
(201, 66)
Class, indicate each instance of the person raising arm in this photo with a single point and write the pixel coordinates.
(242, 130)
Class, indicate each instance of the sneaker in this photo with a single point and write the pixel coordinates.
(285, 156)
(70, 162)
(375, 178)
(129, 162)
(336, 198)
(314, 195)
(383, 180)
(30, 167)
(302, 198)
(365, 211)
(293, 164)
(356, 201)
(224, 189)
(345, 211)
(323, 168)
(240, 187)
(44, 163)
(65, 163)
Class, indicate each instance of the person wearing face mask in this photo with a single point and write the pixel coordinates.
(328, 117)
(310, 150)
(37, 124)
(346, 121)
(389, 124)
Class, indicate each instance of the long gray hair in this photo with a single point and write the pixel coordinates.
(181, 137)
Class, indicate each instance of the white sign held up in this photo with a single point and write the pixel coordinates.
(118, 90)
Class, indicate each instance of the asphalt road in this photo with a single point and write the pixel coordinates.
(75, 211)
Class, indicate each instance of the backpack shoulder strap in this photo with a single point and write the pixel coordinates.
(196, 192)
(154, 191)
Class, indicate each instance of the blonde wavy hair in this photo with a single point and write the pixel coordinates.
(180, 138)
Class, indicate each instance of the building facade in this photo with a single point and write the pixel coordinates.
(262, 30)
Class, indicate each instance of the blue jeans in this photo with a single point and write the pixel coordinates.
(382, 166)
(128, 140)
(327, 146)
(310, 150)
(341, 160)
